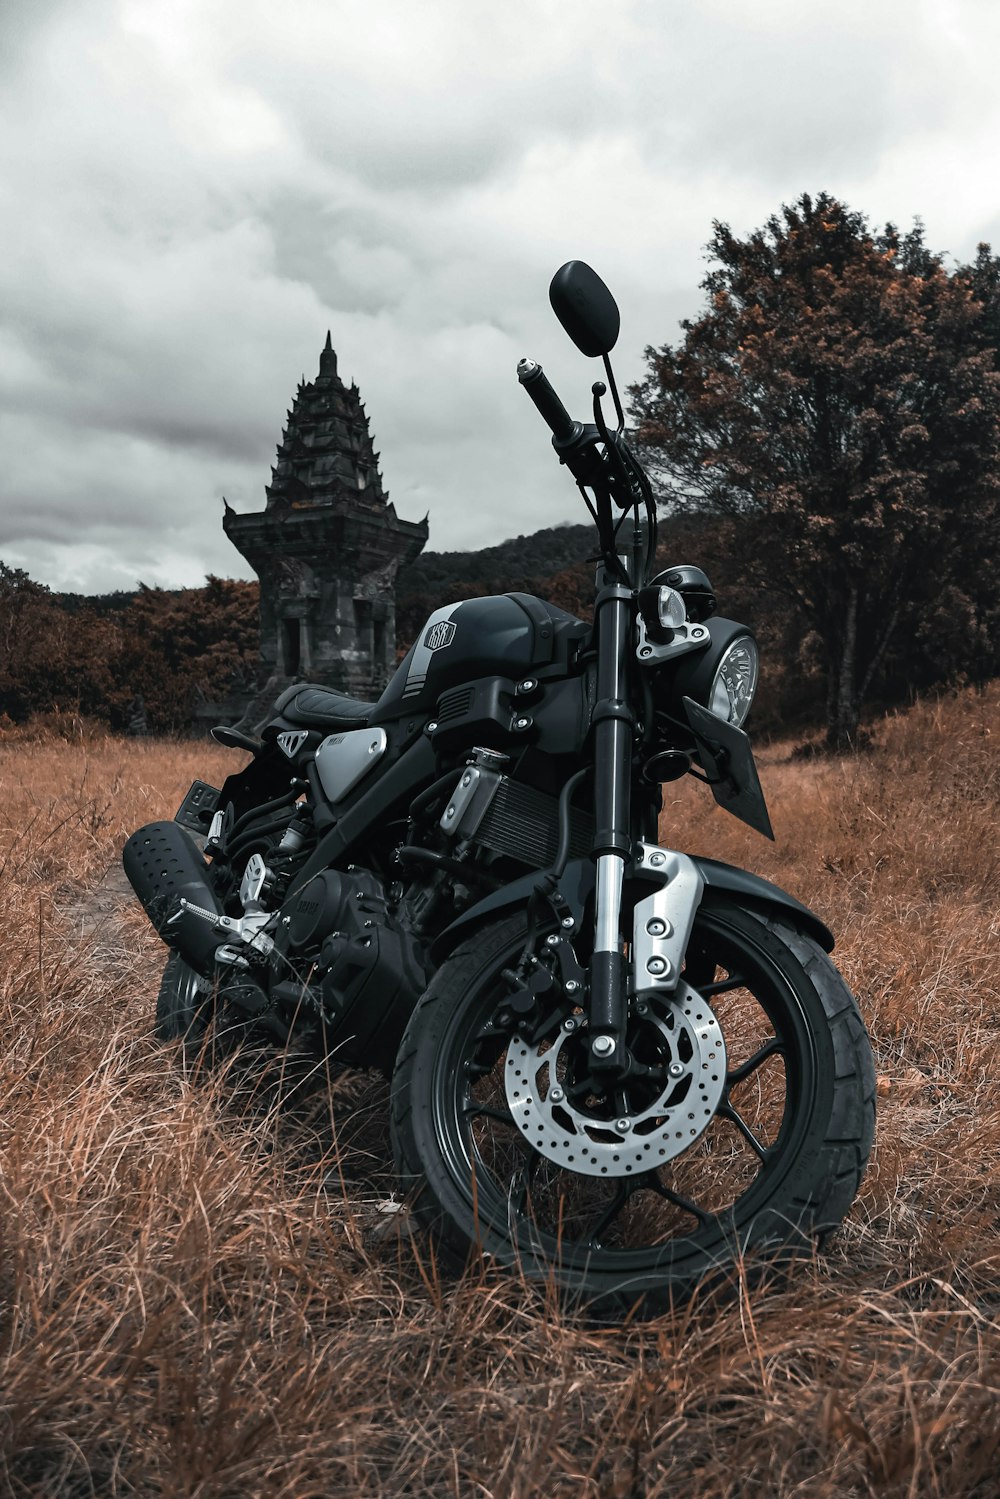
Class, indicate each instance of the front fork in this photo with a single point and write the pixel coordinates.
(662, 922)
(613, 738)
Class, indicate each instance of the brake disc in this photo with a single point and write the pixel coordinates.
(561, 1118)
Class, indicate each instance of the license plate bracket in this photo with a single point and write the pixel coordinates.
(198, 807)
(727, 759)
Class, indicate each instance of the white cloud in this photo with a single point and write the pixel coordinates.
(199, 188)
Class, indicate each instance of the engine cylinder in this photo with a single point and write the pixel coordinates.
(368, 972)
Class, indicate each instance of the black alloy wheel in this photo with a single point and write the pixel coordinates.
(187, 1010)
(183, 1005)
(778, 1143)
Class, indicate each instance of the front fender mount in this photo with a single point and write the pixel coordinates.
(577, 887)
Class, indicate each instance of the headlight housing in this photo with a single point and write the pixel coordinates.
(722, 677)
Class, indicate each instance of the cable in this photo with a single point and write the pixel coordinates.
(565, 831)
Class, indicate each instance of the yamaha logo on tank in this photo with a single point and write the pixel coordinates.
(439, 635)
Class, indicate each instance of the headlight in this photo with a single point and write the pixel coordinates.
(722, 677)
(735, 681)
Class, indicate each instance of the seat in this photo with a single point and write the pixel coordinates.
(313, 707)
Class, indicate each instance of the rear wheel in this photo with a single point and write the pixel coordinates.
(187, 1011)
(183, 1005)
(748, 1129)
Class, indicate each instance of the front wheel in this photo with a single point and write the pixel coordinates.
(510, 1149)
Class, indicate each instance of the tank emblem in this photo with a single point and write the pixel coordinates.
(438, 631)
(439, 635)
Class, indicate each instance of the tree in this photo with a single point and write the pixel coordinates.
(177, 645)
(839, 395)
(48, 658)
(25, 613)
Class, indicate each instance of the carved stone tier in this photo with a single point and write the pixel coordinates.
(327, 546)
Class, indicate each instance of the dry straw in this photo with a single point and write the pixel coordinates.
(199, 1294)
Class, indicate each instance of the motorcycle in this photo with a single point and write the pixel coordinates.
(617, 1067)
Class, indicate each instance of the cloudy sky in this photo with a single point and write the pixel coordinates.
(193, 191)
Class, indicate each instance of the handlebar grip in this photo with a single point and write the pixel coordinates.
(547, 403)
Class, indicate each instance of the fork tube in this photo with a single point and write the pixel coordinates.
(613, 735)
(610, 870)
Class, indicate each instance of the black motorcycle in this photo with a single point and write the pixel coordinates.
(617, 1067)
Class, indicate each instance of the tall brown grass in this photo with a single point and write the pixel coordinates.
(199, 1294)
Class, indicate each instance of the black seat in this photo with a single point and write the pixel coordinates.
(314, 707)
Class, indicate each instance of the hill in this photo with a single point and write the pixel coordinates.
(538, 555)
(97, 656)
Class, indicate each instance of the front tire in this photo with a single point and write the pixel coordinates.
(775, 1170)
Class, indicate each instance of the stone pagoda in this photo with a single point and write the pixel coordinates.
(326, 547)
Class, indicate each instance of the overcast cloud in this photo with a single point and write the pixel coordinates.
(193, 191)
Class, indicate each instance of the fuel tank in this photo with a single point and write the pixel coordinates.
(504, 635)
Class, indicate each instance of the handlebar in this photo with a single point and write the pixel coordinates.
(614, 474)
(547, 403)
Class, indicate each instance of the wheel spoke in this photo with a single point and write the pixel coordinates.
(721, 986)
(609, 1214)
(652, 1183)
(520, 1183)
(726, 1111)
(475, 1070)
(485, 1111)
(741, 1073)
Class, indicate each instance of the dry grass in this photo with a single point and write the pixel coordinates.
(199, 1296)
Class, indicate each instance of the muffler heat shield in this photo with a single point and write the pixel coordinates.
(162, 864)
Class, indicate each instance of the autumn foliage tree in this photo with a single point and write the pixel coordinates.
(96, 657)
(839, 396)
(51, 659)
(182, 645)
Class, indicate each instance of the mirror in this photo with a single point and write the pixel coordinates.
(585, 307)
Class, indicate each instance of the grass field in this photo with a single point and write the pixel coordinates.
(200, 1296)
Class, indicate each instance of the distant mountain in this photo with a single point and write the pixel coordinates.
(511, 565)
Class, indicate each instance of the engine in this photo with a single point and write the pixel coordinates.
(340, 960)
(339, 952)
(334, 955)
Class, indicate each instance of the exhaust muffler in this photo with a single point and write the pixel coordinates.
(163, 865)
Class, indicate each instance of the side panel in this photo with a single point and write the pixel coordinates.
(343, 760)
(396, 786)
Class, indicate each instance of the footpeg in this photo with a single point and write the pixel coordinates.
(245, 929)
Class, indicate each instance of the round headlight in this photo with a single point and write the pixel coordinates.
(721, 675)
(735, 680)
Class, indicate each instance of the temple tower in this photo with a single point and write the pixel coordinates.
(327, 546)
